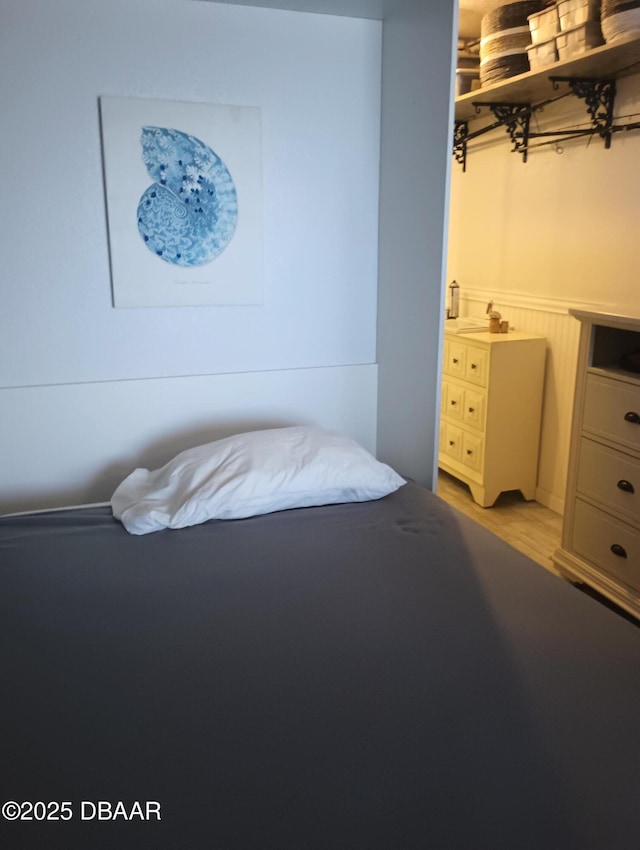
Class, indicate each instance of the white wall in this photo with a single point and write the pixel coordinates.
(316, 79)
(563, 224)
(73, 444)
(416, 142)
(541, 237)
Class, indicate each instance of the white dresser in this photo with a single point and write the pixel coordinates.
(601, 530)
(491, 409)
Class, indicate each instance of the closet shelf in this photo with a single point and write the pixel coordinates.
(610, 61)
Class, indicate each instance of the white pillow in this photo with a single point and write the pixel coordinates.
(250, 474)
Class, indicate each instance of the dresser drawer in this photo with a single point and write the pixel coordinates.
(598, 537)
(607, 402)
(611, 477)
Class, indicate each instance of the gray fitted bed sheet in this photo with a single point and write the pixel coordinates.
(379, 675)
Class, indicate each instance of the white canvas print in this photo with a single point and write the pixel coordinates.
(184, 202)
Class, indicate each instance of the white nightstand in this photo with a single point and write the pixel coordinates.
(491, 410)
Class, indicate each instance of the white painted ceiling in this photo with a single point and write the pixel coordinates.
(373, 9)
(471, 11)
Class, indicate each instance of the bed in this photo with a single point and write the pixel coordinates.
(376, 674)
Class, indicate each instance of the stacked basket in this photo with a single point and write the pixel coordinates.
(620, 19)
(505, 36)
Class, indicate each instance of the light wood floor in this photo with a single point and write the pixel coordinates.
(528, 526)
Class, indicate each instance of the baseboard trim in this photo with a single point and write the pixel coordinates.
(549, 500)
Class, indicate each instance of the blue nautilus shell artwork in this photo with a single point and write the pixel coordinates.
(189, 214)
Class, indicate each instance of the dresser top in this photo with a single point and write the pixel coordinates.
(487, 337)
(611, 319)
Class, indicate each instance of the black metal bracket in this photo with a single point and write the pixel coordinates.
(599, 96)
(460, 133)
(516, 118)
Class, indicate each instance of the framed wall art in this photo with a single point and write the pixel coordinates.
(183, 185)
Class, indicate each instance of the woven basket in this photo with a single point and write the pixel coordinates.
(508, 15)
(502, 67)
(620, 19)
(505, 36)
(615, 7)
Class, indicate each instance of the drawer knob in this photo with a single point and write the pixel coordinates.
(474, 366)
(625, 485)
(619, 550)
(471, 409)
(455, 360)
(453, 403)
(633, 417)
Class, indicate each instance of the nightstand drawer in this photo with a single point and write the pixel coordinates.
(610, 477)
(611, 545)
(455, 359)
(472, 451)
(473, 412)
(612, 410)
(453, 401)
(451, 443)
(463, 405)
(476, 366)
